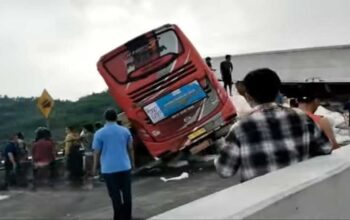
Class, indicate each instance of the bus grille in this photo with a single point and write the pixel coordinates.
(163, 82)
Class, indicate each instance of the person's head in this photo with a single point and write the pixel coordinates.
(293, 103)
(46, 133)
(208, 59)
(228, 57)
(308, 103)
(71, 129)
(42, 133)
(13, 137)
(110, 115)
(308, 97)
(240, 88)
(262, 85)
(98, 125)
(68, 129)
(88, 128)
(20, 135)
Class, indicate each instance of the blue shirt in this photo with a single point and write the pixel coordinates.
(112, 141)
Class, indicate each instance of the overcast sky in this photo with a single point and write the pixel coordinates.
(55, 44)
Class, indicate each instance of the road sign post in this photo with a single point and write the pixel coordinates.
(45, 104)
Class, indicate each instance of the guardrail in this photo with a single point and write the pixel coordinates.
(313, 189)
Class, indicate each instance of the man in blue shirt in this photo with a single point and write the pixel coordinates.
(112, 144)
(11, 161)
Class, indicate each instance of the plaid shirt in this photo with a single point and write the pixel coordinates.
(270, 138)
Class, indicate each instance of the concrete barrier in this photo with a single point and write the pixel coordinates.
(313, 189)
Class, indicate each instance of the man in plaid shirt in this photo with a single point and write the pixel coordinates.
(271, 136)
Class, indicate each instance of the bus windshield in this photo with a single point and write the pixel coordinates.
(141, 53)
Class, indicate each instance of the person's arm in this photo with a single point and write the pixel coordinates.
(228, 161)
(319, 142)
(327, 129)
(231, 68)
(131, 153)
(97, 145)
(130, 147)
(12, 159)
(97, 154)
(67, 144)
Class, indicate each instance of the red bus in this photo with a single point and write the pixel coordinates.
(170, 96)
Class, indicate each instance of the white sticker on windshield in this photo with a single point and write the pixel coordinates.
(154, 112)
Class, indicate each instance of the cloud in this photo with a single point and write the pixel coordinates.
(56, 44)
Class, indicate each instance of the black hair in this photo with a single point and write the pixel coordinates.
(73, 127)
(208, 58)
(110, 115)
(89, 127)
(227, 56)
(42, 133)
(306, 99)
(307, 93)
(293, 103)
(20, 135)
(98, 125)
(262, 85)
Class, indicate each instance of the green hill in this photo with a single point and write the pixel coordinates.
(22, 114)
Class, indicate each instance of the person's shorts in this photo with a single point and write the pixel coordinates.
(227, 80)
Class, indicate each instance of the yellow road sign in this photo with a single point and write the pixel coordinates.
(45, 103)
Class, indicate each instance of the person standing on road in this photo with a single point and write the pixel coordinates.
(86, 137)
(271, 136)
(44, 154)
(226, 69)
(22, 147)
(74, 156)
(11, 155)
(112, 144)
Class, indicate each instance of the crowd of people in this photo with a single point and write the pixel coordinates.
(86, 154)
(42, 155)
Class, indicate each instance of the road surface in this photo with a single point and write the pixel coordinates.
(151, 196)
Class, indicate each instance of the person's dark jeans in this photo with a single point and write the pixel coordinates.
(75, 165)
(10, 176)
(119, 189)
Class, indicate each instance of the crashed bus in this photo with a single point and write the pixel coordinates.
(170, 96)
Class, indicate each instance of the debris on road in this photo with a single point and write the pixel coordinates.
(184, 175)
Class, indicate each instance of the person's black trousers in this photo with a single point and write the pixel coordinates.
(11, 175)
(119, 189)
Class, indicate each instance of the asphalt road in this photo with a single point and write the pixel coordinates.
(151, 196)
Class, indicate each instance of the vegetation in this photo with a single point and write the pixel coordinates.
(22, 114)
